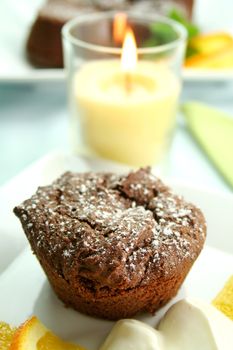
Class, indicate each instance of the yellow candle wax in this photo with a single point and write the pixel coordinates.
(126, 125)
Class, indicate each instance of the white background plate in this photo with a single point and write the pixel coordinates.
(16, 18)
(23, 287)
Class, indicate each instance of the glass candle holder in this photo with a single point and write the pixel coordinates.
(123, 101)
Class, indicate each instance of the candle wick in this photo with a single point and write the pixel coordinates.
(128, 83)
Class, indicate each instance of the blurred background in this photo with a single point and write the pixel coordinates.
(33, 101)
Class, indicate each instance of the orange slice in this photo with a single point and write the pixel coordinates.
(33, 335)
(222, 59)
(224, 299)
(6, 335)
(210, 43)
(51, 341)
(214, 51)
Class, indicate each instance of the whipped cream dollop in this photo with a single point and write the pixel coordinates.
(130, 334)
(189, 324)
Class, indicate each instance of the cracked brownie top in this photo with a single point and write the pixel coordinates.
(114, 231)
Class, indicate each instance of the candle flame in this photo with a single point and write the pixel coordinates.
(119, 27)
(129, 52)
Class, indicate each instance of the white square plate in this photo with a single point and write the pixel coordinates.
(24, 290)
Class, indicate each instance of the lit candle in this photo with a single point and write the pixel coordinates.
(127, 108)
(129, 59)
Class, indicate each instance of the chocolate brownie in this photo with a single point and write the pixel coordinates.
(113, 245)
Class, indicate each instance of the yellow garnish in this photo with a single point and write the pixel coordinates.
(220, 60)
(50, 341)
(211, 43)
(224, 299)
(33, 335)
(214, 51)
(6, 334)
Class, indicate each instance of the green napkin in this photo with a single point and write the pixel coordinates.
(213, 130)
